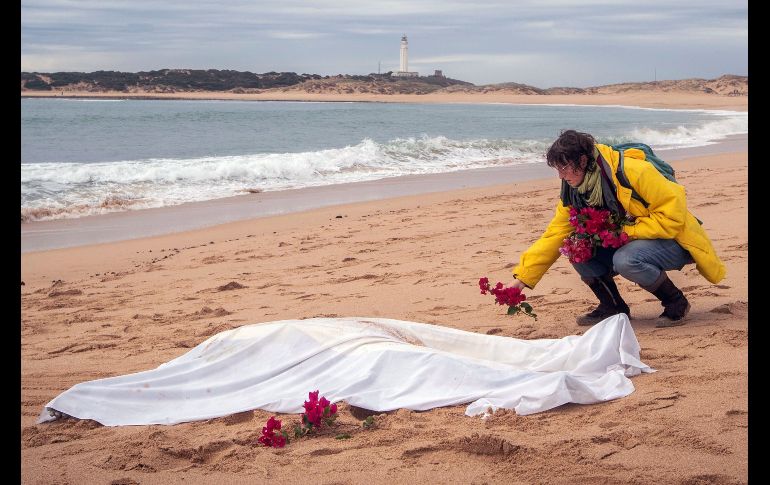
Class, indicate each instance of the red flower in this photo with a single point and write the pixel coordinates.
(593, 227)
(484, 285)
(512, 296)
(507, 296)
(279, 441)
(269, 438)
(317, 411)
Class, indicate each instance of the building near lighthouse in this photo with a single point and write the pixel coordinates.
(403, 70)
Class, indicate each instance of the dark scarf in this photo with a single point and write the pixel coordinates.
(571, 197)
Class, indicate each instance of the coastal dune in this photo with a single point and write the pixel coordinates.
(97, 311)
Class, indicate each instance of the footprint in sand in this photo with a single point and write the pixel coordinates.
(71, 292)
(558, 303)
(737, 418)
(690, 288)
(523, 332)
(124, 481)
(233, 285)
(661, 400)
(737, 308)
(484, 444)
(213, 330)
(208, 312)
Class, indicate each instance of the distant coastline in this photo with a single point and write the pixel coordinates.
(644, 99)
(725, 92)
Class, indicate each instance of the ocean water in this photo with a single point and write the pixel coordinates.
(83, 157)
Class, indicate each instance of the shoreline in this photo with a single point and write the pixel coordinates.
(99, 311)
(642, 99)
(144, 223)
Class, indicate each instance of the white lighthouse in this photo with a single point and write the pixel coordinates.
(403, 70)
(404, 54)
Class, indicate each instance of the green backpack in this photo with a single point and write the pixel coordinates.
(664, 168)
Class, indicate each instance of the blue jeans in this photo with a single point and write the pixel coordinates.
(640, 261)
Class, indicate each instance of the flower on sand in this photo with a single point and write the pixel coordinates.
(269, 438)
(318, 411)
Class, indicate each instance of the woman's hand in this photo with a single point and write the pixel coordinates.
(518, 284)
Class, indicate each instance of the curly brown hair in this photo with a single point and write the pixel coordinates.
(569, 147)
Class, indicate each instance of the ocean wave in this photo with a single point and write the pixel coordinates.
(70, 190)
(59, 211)
(685, 137)
(65, 190)
(680, 136)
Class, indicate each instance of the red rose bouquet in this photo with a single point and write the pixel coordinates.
(593, 228)
(511, 296)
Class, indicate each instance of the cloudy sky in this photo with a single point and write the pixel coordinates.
(543, 43)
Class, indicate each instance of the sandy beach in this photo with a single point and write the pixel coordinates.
(97, 311)
(645, 99)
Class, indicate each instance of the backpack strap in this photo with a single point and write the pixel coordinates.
(623, 180)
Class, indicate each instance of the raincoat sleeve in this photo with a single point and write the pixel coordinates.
(535, 261)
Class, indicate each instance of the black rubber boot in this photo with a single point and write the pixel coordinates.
(675, 305)
(610, 301)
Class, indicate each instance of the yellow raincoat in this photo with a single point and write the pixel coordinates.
(666, 217)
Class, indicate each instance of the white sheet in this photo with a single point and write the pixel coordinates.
(374, 363)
